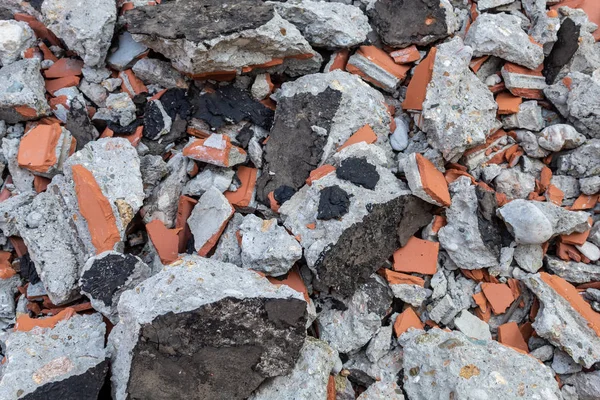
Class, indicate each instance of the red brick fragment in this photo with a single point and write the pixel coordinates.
(364, 134)
(499, 296)
(165, 241)
(417, 88)
(508, 104)
(37, 151)
(406, 56)
(433, 181)
(184, 210)
(510, 335)
(52, 85)
(418, 256)
(26, 323)
(64, 67)
(243, 195)
(407, 319)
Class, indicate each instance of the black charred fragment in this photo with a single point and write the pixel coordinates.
(358, 171)
(488, 223)
(85, 386)
(124, 130)
(154, 121)
(563, 50)
(230, 105)
(334, 202)
(244, 135)
(107, 275)
(283, 194)
(175, 102)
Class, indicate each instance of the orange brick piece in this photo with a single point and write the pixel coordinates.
(364, 134)
(499, 296)
(318, 173)
(509, 334)
(243, 195)
(381, 59)
(417, 88)
(433, 181)
(293, 280)
(585, 202)
(96, 210)
(37, 151)
(406, 56)
(64, 67)
(508, 104)
(166, 241)
(26, 324)
(52, 85)
(398, 278)
(408, 319)
(418, 256)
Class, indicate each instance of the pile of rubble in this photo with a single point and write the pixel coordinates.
(337, 200)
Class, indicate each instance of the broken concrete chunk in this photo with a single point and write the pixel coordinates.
(119, 109)
(313, 367)
(526, 222)
(44, 149)
(582, 162)
(528, 117)
(208, 220)
(229, 249)
(418, 22)
(501, 35)
(563, 221)
(15, 38)
(575, 272)
(267, 247)
(126, 52)
(470, 368)
(585, 384)
(472, 326)
(469, 240)
(562, 363)
(106, 276)
(452, 123)
(560, 136)
(22, 92)
(211, 176)
(382, 390)
(222, 37)
(328, 25)
(426, 181)
(564, 318)
(377, 67)
(87, 33)
(207, 299)
(66, 360)
(530, 257)
(21, 177)
(158, 72)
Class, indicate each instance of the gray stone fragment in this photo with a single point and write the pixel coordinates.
(15, 38)
(153, 170)
(380, 345)
(560, 136)
(267, 247)
(530, 257)
(87, 31)
(569, 392)
(382, 390)
(514, 183)
(501, 35)
(575, 272)
(328, 25)
(112, 84)
(439, 283)
(483, 5)
(399, 138)
(94, 91)
(459, 110)
(261, 88)
(526, 222)
(223, 36)
(163, 201)
(559, 323)
(528, 117)
(529, 143)
(543, 353)
(371, 72)
(125, 53)
(22, 178)
(105, 276)
(562, 363)
(228, 249)
(471, 369)
(582, 162)
(472, 326)
(22, 85)
(366, 373)
(563, 221)
(587, 384)
(206, 299)
(567, 184)
(589, 250)
(209, 217)
(119, 109)
(68, 359)
(347, 331)
(8, 290)
(414, 295)
(444, 310)
(462, 237)
(590, 186)
(309, 378)
(158, 72)
(95, 74)
(211, 176)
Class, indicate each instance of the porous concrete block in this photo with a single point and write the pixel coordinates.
(158, 72)
(22, 92)
(15, 38)
(472, 326)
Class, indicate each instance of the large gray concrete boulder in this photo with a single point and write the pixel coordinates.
(22, 92)
(214, 322)
(459, 110)
(442, 365)
(67, 361)
(222, 36)
(15, 38)
(86, 30)
(328, 25)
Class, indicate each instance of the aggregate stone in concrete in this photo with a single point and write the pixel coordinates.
(86, 30)
(267, 247)
(382, 390)
(501, 35)
(529, 257)
(559, 323)
(309, 378)
(572, 271)
(107, 275)
(421, 22)
(67, 361)
(214, 321)
(471, 240)
(440, 364)
(21, 84)
(336, 105)
(459, 110)
(222, 36)
(527, 223)
(15, 38)
(328, 25)
(560, 136)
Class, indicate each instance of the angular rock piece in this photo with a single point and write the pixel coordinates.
(472, 326)
(377, 67)
(267, 247)
(209, 219)
(126, 52)
(222, 37)
(15, 38)
(86, 31)
(565, 319)
(452, 123)
(106, 276)
(586, 384)
(217, 320)
(333, 110)
(501, 35)
(421, 22)
(426, 181)
(157, 72)
(582, 162)
(66, 361)
(572, 271)
(22, 92)
(313, 367)
(328, 25)
(471, 368)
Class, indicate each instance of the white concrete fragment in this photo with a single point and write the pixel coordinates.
(472, 326)
(15, 38)
(208, 219)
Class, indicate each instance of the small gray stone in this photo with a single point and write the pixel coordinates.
(567, 184)
(590, 186)
(501, 35)
(587, 384)
(472, 326)
(153, 170)
(514, 183)
(380, 345)
(211, 176)
(119, 108)
(158, 72)
(15, 38)
(399, 138)
(560, 136)
(530, 257)
(528, 117)
(414, 295)
(8, 290)
(543, 353)
(261, 88)
(562, 363)
(22, 178)
(526, 222)
(228, 249)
